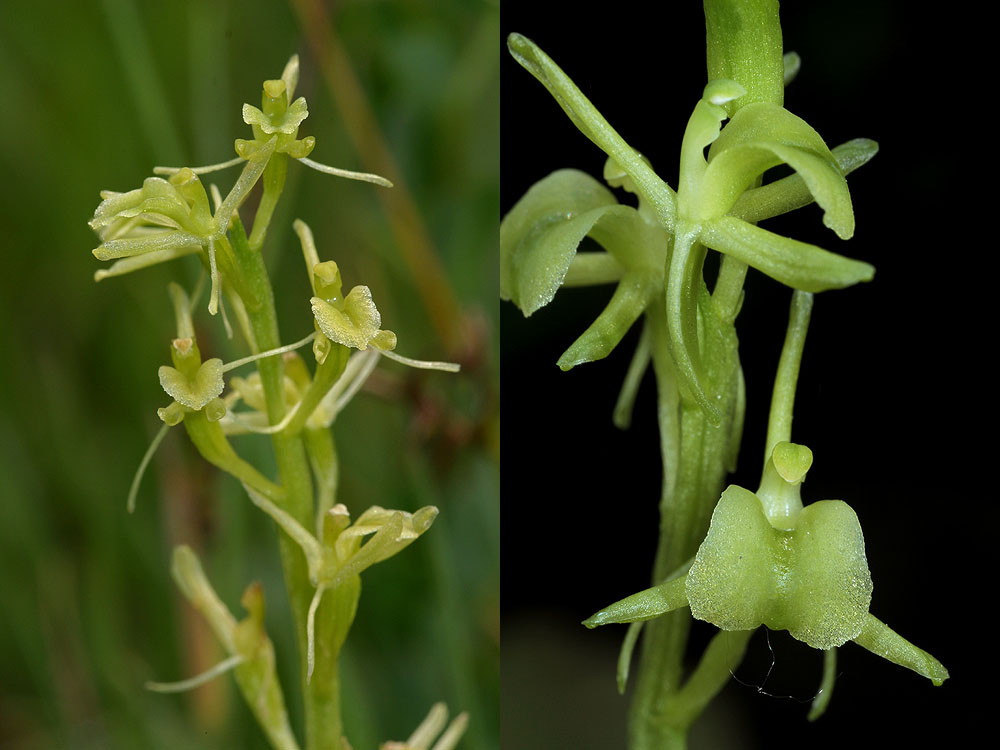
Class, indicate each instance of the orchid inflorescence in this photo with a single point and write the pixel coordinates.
(765, 559)
(170, 217)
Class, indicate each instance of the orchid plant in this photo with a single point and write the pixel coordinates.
(733, 557)
(323, 551)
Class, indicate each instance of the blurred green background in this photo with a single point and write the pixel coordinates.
(96, 93)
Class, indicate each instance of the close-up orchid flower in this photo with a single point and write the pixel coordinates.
(664, 258)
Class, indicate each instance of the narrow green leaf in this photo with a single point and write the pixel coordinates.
(793, 263)
(593, 125)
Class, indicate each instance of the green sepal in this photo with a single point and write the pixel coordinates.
(127, 247)
(592, 124)
(881, 640)
(539, 236)
(645, 605)
(632, 295)
(793, 263)
(790, 193)
(761, 136)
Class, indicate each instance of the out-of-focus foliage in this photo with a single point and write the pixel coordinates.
(94, 98)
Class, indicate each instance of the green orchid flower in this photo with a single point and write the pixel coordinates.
(655, 252)
(767, 560)
(170, 218)
(275, 127)
(337, 557)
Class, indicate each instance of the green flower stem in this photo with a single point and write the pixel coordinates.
(210, 441)
(326, 469)
(273, 180)
(744, 44)
(326, 375)
(695, 461)
(779, 423)
(322, 693)
(723, 655)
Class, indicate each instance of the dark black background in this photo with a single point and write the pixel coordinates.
(895, 395)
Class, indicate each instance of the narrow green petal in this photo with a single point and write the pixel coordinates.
(136, 262)
(880, 639)
(790, 193)
(653, 602)
(593, 125)
(825, 692)
(132, 246)
(633, 294)
(622, 416)
(625, 655)
(793, 263)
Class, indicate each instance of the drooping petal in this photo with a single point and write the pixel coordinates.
(790, 193)
(761, 136)
(540, 235)
(633, 294)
